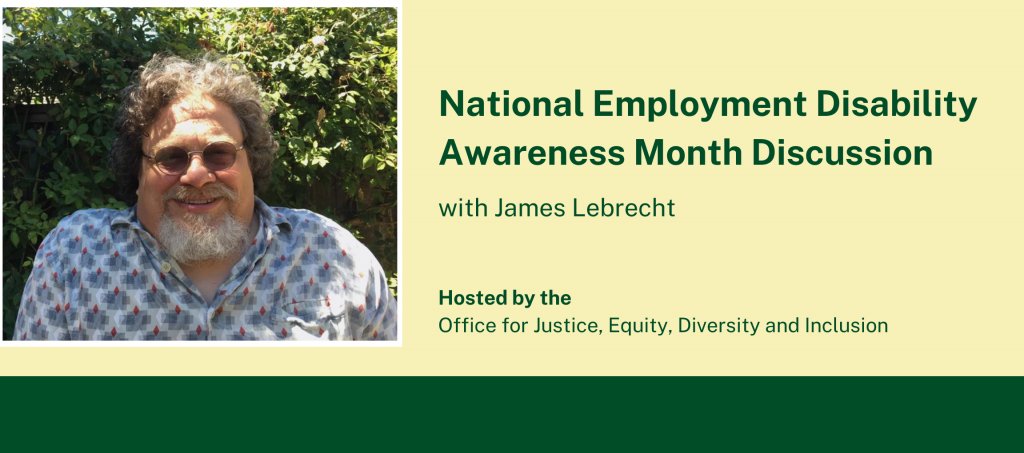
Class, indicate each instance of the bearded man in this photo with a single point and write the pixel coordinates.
(199, 256)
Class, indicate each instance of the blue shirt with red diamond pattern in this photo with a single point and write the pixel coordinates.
(100, 276)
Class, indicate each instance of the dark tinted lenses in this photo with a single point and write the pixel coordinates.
(172, 159)
(219, 156)
(216, 157)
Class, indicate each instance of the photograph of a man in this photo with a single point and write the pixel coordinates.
(197, 255)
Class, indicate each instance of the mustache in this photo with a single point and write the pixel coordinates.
(218, 190)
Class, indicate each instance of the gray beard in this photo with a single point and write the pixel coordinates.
(196, 239)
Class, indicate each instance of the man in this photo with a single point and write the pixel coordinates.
(199, 256)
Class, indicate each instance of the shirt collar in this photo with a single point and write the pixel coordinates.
(129, 217)
(281, 222)
(125, 216)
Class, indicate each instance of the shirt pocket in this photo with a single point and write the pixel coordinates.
(301, 320)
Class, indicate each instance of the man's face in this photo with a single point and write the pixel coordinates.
(169, 206)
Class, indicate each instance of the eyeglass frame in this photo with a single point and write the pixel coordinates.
(189, 156)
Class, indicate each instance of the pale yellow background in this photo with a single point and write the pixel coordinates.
(934, 251)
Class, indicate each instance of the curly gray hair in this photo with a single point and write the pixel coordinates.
(168, 78)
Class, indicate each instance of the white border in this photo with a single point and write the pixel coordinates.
(397, 4)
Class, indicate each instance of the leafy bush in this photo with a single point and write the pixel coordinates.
(330, 74)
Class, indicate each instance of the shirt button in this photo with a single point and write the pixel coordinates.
(165, 267)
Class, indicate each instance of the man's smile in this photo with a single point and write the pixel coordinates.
(208, 200)
(198, 205)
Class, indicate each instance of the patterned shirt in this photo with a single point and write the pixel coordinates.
(100, 276)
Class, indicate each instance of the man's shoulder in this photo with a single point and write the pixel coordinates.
(308, 225)
(91, 221)
(78, 232)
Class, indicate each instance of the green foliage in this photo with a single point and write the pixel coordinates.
(329, 73)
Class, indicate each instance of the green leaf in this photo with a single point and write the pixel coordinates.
(74, 140)
(14, 238)
(367, 161)
(82, 129)
(72, 125)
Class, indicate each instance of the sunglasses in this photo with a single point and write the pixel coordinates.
(174, 160)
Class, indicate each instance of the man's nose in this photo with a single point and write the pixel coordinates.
(197, 175)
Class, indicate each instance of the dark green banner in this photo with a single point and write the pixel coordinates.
(482, 413)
